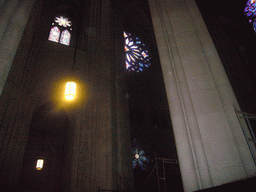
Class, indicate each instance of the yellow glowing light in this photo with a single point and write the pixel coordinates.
(39, 164)
(70, 91)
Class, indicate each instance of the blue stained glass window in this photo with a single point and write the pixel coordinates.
(137, 55)
(254, 25)
(250, 10)
(139, 158)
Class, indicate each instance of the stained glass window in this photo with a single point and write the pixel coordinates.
(54, 34)
(137, 55)
(140, 157)
(250, 10)
(254, 25)
(65, 37)
(60, 32)
(63, 21)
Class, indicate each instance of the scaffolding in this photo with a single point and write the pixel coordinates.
(161, 172)
(248, 125)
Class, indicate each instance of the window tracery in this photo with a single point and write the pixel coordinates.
(137, 55)
(61, 30)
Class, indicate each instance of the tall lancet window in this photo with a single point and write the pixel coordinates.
(61, 30)
(137, 55)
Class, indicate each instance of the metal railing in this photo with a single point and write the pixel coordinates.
(160, 172)
(248, 125)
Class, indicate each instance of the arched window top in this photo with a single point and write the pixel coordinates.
(137, 55)
(61, 30)
(65, 37)
(54, 34)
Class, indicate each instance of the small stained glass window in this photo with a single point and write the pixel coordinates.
(63, 21)
(137, 55)
(140, 157)
(65, 37)
(61, 30)
(54, 34)
(250, 10)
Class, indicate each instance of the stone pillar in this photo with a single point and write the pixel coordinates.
(95, 146)
(7, 10)
(210, 143)
(12, 34)
(124, 153)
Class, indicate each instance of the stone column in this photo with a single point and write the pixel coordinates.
(124, 153)
(210, 143)
(12, 35)
(7, 10)
(95, 148)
